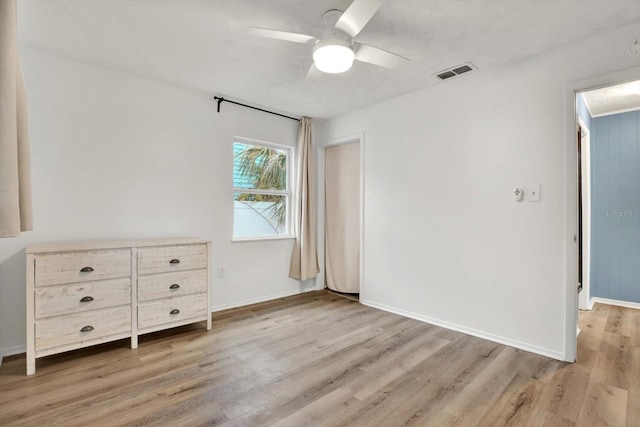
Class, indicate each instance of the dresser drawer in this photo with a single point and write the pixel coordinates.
(170, 310)
(165, 285)
(165, 259)
(75, 328)
(77, 297)
(82, 266)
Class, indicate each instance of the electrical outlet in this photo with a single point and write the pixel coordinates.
(532, 194)
(221, 271)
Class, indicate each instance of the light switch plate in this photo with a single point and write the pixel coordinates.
(532, 194)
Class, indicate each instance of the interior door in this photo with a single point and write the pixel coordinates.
(342, 218)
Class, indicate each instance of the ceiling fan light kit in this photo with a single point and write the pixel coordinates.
(333, 56)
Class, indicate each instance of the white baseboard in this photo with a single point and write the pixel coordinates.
(257, 300)
(627, 304)
(469, 331)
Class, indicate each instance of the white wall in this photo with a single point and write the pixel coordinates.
(115, 156)
(444, 240)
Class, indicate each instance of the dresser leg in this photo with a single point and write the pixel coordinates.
(134, 341)
(31, 364)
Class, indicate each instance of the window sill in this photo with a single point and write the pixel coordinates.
(261, 239)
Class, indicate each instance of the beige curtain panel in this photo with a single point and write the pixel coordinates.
(342, 218)
(15, 169)
(304, 258)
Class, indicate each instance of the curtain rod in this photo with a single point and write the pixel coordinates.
(221, 100)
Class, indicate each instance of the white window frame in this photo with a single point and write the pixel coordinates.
(288, 192)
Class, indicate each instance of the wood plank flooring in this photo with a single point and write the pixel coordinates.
(319, 359)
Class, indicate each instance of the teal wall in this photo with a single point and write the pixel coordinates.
(615, 198)
(239, 181)
(583, 111)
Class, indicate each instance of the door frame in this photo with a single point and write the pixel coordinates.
(320, 167)
(571, 89)
(584, 299)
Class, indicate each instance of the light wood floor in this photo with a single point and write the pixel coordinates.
(319, 359)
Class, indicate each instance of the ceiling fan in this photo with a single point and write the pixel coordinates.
(335, 51)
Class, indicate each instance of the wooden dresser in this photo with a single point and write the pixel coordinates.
(85, 293)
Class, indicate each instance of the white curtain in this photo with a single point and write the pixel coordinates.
(15, 169)
(342, 218)
(304, 258)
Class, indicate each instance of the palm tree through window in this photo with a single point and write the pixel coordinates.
(261, 189)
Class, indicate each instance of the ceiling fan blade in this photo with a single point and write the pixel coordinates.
(313, 73)
(280, 35)
(377, 56)
(357, 15)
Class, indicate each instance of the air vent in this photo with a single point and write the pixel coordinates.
(446, 75)
(455, 71)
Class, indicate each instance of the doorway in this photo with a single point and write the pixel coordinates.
(609, 151)
(606, 198)
(342, 216)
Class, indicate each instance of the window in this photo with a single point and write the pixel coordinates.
(261, 190)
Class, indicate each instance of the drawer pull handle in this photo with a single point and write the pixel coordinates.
(174, 286)
(87, 328)
(174, 261)
(174, 311)
(86, 270)
(86, 299)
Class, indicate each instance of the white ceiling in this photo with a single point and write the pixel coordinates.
(613, 99)
(203, 45)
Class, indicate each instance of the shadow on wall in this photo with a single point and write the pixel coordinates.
(12, 302)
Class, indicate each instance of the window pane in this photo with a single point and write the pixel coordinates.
(257, 215)
(256, 167)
